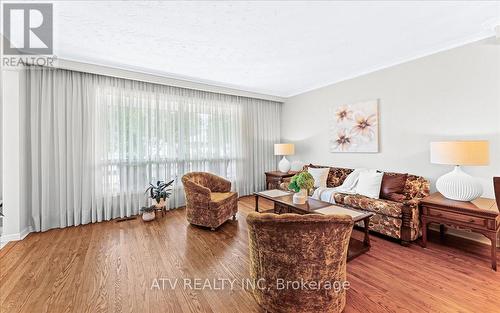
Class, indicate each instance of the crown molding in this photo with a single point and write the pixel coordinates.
(157, 78)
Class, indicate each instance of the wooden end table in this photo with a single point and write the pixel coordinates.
(480, 216)
(284, 204)
(275, 178)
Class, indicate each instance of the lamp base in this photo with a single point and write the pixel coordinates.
(458, 185)
(284, 165)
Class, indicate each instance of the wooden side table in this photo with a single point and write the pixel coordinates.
(275, 178)
(480, 216)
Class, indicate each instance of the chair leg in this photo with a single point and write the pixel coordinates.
(234, 217)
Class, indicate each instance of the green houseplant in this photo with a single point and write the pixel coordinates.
(160, 193)
(300, 184)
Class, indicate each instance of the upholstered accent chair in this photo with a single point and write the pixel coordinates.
(209, 200)
(309, 248)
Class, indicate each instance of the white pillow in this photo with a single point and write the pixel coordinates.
(352, 179)
(320, 176)
(369, 183)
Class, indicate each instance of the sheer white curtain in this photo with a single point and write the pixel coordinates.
(95, 143)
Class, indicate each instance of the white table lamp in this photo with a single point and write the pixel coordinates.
(284, 149)
(458, 185)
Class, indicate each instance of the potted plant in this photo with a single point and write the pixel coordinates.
(148, 213)
(300, 184)
(160, 193)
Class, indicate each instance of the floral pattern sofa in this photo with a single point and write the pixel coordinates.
(397, 219)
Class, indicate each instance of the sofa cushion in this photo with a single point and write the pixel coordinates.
(220, 198)
(396, 197)
(380, 206)
(393, 183)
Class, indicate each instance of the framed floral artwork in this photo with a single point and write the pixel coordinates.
(354, 127)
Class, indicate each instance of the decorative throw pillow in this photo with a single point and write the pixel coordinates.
(369, 183)
(352, 179)
(393, 186)
(320, 175)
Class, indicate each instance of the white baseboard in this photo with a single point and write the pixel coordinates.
(6, 238)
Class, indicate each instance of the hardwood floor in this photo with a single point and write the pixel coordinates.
(111, 267)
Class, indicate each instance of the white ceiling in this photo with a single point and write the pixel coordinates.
(276, 48)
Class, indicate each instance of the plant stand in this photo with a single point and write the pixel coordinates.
(162, 207)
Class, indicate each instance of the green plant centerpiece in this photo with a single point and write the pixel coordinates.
(300, 184)
(160, 193)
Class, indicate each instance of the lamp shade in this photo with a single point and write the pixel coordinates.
(460, 152)
(284, 149)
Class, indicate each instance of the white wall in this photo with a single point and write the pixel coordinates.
(15, 221)
(449, 95)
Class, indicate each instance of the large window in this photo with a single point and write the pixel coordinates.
(148, 135)
(96, 142)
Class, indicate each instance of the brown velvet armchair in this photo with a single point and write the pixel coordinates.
(209, 200)
(299, 248)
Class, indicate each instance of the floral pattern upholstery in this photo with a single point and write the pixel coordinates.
(391, 226)
(336, 175)
(386, 225)
(380, 206)
(416, 187)
(209, 200)
(397, 219)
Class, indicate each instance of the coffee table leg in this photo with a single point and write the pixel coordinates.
(256, 203)
(366, 240)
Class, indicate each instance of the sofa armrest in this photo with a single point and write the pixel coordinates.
(415, 201)
(412, 202)
(410, 218)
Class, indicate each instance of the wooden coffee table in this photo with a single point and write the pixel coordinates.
(283, 203)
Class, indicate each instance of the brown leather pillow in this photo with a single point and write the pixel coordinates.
(393, 186)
